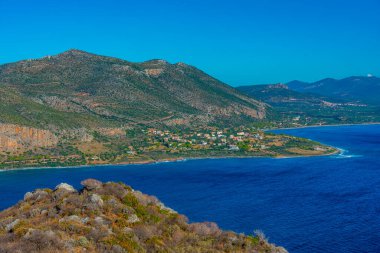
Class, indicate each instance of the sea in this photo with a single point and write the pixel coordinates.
(309, 204)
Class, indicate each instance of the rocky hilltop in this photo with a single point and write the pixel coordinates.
(111, 217)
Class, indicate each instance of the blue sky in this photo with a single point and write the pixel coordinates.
(239, 42)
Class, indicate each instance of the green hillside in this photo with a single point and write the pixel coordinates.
(78, 89)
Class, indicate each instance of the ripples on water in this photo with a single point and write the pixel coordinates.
(344, 154)
(315, 204)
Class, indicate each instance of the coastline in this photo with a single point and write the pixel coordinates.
(181, 159)
(172, 160)
(313, 126)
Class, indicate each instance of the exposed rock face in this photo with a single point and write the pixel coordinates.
(153, 72)
(19, 138)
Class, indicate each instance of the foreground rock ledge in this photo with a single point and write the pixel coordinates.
(111, 217)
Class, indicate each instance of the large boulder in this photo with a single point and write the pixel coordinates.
(133, 218)
(91, 184)
(11, 225)
(96, 199)
(65, 187)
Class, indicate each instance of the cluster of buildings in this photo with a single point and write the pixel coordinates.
(230, 139)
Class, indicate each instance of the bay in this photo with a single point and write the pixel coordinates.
(308, 204)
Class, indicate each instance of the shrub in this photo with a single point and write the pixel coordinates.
(114, 189)
(144, 232)
(205, 229)
(40, 240)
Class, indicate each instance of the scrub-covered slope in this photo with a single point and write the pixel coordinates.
(111, 217)
(79, 89)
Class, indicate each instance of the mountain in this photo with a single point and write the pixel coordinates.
(112, 218)
(277, 93)
(76, 89)
(352, 89)
(296, 85)
(296, 106)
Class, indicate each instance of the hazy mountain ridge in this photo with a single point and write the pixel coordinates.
(363, 89)
(328, 101)
(278, 93)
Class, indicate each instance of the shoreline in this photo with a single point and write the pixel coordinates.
(182, 159)
(313, 126)
(179, 159)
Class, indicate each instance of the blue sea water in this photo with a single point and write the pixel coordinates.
(313, 204)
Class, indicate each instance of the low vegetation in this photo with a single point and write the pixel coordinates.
(111, 217)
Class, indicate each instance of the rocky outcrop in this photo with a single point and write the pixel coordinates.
(91, 184)
(14, 138)
(65, 187)
(153, 72)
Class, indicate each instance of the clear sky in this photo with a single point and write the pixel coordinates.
(239, 42)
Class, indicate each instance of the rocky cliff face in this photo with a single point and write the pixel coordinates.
(112, 217)
(15, 138)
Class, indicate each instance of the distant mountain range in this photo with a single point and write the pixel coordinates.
(329, 101)
(77, 89)
(352, 89)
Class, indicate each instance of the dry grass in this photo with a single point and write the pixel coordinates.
(111, 217)
(93, 147)
(305, 152)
